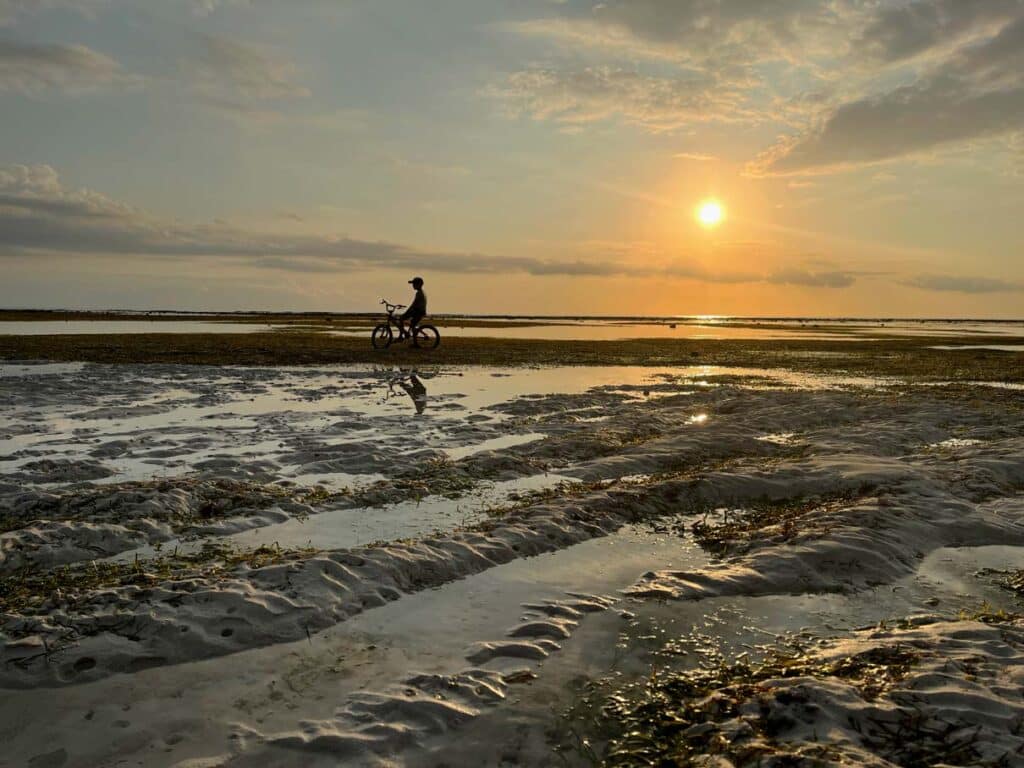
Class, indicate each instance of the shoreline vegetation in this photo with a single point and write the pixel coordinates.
(890, 356)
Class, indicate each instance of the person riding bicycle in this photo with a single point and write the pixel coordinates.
(416, 311)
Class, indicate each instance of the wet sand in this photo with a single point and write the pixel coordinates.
(272, 565)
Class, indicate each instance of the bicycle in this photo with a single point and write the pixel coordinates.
(384, 335)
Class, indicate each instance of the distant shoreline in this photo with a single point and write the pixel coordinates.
(159, 315)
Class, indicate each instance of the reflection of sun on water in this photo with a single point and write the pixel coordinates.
(710, 213)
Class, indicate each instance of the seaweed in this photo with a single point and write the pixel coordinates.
(35, 591)
(730, 530)
(681, 718)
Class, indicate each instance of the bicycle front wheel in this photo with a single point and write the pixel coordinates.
(381, 337)
(427, 336)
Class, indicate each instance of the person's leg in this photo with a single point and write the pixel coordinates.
(414, 324)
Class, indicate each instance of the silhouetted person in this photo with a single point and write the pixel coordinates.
(416, 311)
(415, 389)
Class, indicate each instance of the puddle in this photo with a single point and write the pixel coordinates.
(958, 572)
(360, 526)
(494, 444)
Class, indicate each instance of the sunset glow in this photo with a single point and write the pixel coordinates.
(579, 156)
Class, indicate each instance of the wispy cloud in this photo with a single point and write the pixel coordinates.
(827, 279)
(727, 35)
(10, 10)
(963, 284)
(242, 77)
(580, 97)
(32, 68)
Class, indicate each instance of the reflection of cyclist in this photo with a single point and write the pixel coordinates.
(415, 389)
(416, 311)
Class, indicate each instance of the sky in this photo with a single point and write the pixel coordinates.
(523, 156)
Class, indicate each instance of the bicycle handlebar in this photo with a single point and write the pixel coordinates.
(391, 307)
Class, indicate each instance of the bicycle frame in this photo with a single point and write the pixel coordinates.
(424, 332)
(394, 321)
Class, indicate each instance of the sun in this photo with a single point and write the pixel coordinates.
(710, 213)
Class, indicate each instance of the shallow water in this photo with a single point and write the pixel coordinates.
(614, 331)
(142, 422)
(63, 327)
(693, 328)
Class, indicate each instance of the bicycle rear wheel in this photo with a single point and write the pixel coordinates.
(382, 336)
(427, 336)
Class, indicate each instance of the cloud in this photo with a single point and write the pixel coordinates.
(729, 33)
(812, 279)
(746, 33)
(898, 32)
(11, 9)
(962, 284)
(975, 93)
(241, 77)
(32, 67)
(689, 61)
(860, 81)
(39, 214)
(208, 7)
(589, 95)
